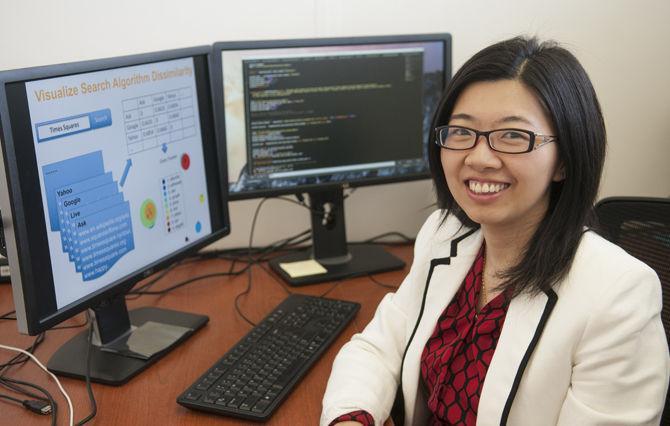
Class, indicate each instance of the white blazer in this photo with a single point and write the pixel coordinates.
(590, 352)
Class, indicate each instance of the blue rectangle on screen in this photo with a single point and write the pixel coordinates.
(101, 239)
(81, 213)
(107, 245)
(74, 188)
(56, 175)
(72, 201)
(70, 192)
(72, 125)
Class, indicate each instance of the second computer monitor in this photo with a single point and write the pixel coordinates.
(301, 114)
(316, 116)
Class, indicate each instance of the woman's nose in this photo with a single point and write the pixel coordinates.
(482, 156)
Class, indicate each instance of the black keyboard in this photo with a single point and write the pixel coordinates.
(257, 374)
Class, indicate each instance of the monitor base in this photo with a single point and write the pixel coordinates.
(113, 369)
(365, 259)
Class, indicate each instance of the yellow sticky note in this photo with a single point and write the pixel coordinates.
(303, 268)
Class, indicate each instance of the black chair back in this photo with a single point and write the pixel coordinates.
(641, 226)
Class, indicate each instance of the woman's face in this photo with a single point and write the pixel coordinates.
(509, 191)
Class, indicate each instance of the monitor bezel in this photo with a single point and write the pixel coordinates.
(13, 206)
(218, 99)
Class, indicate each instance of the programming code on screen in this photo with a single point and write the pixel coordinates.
(323, 114)
(312, 115)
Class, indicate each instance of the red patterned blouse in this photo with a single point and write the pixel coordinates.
(456, 358)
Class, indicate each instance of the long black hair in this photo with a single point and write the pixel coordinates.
(564, 89)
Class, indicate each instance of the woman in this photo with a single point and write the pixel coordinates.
(513, 311)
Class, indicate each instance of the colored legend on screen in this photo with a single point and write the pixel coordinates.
(172, 189)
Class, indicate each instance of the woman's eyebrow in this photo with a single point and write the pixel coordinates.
(462, 116)
(504, 120)
(514, 119)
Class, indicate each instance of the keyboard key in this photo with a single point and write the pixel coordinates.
(261, 406)
(235, 402)
(193, 396)
(203, 386)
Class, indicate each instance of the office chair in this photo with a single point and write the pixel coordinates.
(641, 226)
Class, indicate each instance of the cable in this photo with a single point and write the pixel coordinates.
(290, 243)
(325, 293)
(13, 385)
(251, 262)
(405, 238)
(301, 204)
(179, 284)
(11, 398)
(6, 316)
(9, 384)
(41, 407)
(67, 397)
(89, 390)
(264, 251)
(280, 282)
(65, 327)
(237, 298)
(52, 407)
(20, 358)
(242, 254)
(35, 405)
(153, 281)
(381, 284)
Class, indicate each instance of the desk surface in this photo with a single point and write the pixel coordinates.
(149, 398)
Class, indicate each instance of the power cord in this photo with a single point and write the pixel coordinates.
(15, 385)
(89, 390)
(20, 358)
(234, 255)
(6, 316)
(34, 405)
(405, 239)
(179, 284)
(381, 284)
(251, 261)
(67, 397)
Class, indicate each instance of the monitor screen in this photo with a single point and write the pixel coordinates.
(317, 116)
(111, 171)
(301, 114)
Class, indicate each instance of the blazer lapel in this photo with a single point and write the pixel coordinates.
(524, 323)
(448, 273)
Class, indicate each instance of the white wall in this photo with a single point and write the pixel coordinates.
(623, 44)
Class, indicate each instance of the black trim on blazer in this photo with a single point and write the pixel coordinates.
(398, 409)
(548, 308)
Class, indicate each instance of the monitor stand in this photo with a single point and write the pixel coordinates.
(124, 343)
(330, 248)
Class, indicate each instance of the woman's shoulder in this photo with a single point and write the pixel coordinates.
(601, 266)
(602, 253)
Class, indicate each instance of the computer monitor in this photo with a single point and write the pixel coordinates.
(316, 116)
(110, 171)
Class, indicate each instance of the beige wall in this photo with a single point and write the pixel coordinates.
(623, 44)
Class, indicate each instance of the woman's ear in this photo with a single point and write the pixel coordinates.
(559, 174)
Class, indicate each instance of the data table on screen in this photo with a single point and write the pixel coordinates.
(158, 119)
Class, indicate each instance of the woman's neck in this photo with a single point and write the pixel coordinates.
(505, 246)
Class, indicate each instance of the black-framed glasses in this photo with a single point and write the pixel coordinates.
(508, 141)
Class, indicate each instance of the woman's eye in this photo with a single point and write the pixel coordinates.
(459, 132)
(514, 135)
